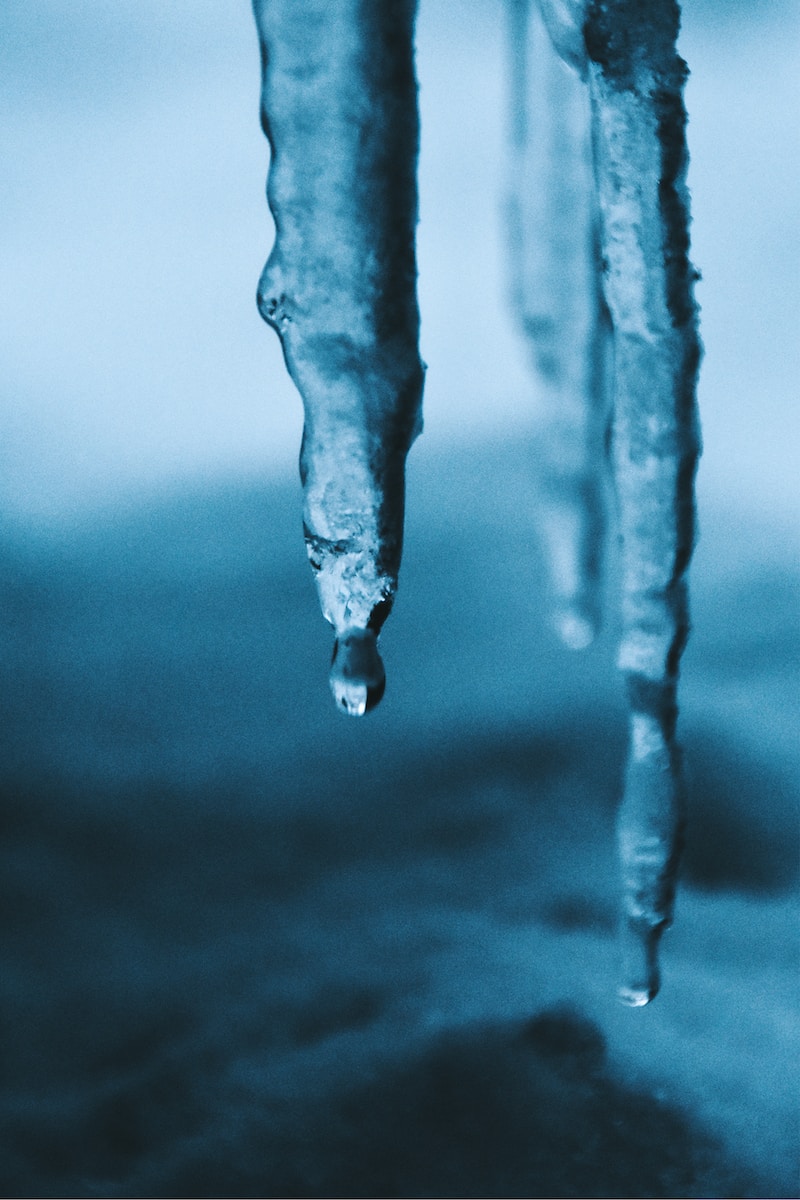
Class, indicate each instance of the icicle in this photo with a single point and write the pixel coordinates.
(339, 109)
(636, 83)
(626, 49)
(556, 296)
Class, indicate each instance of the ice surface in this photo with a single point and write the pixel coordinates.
(598, 176)
(598, 194)
(552, 227)
(339, 107)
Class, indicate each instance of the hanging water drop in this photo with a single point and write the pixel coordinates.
(357, 677)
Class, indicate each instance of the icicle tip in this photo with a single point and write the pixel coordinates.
(641, 977)
(357, 678)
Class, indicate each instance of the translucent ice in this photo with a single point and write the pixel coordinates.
(339, 107)
(554, 254)
(598, 224)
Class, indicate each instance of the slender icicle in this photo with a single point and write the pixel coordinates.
(339, 107)
(636, 82)
(556, 295)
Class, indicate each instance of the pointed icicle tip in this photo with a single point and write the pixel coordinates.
(640, 971)
(357, 677)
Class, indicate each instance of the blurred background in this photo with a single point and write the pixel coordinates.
(252, 949)
(135, 227)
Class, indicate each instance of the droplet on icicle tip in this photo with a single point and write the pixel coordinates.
(640, 972)
(357, 677)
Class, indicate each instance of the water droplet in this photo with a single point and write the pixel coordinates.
(357, 677)
(635, 997)
(640, 972)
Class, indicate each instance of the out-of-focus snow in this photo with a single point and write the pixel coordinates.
(250, 947)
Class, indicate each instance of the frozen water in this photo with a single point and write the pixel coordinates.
(339, 107)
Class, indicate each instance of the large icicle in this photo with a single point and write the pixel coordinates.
(339, 107)
(556, 296)
(636, 82)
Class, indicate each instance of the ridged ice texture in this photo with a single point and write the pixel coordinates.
(636, 81)
(339, 107)
(599, 202)
(553, 240)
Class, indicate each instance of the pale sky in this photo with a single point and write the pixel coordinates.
(134, 229)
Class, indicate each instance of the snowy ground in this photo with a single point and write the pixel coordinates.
(253, 948)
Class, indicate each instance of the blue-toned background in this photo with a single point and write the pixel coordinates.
(134, 230)
(248, 947)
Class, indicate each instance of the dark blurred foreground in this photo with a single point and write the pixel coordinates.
(251, 948)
